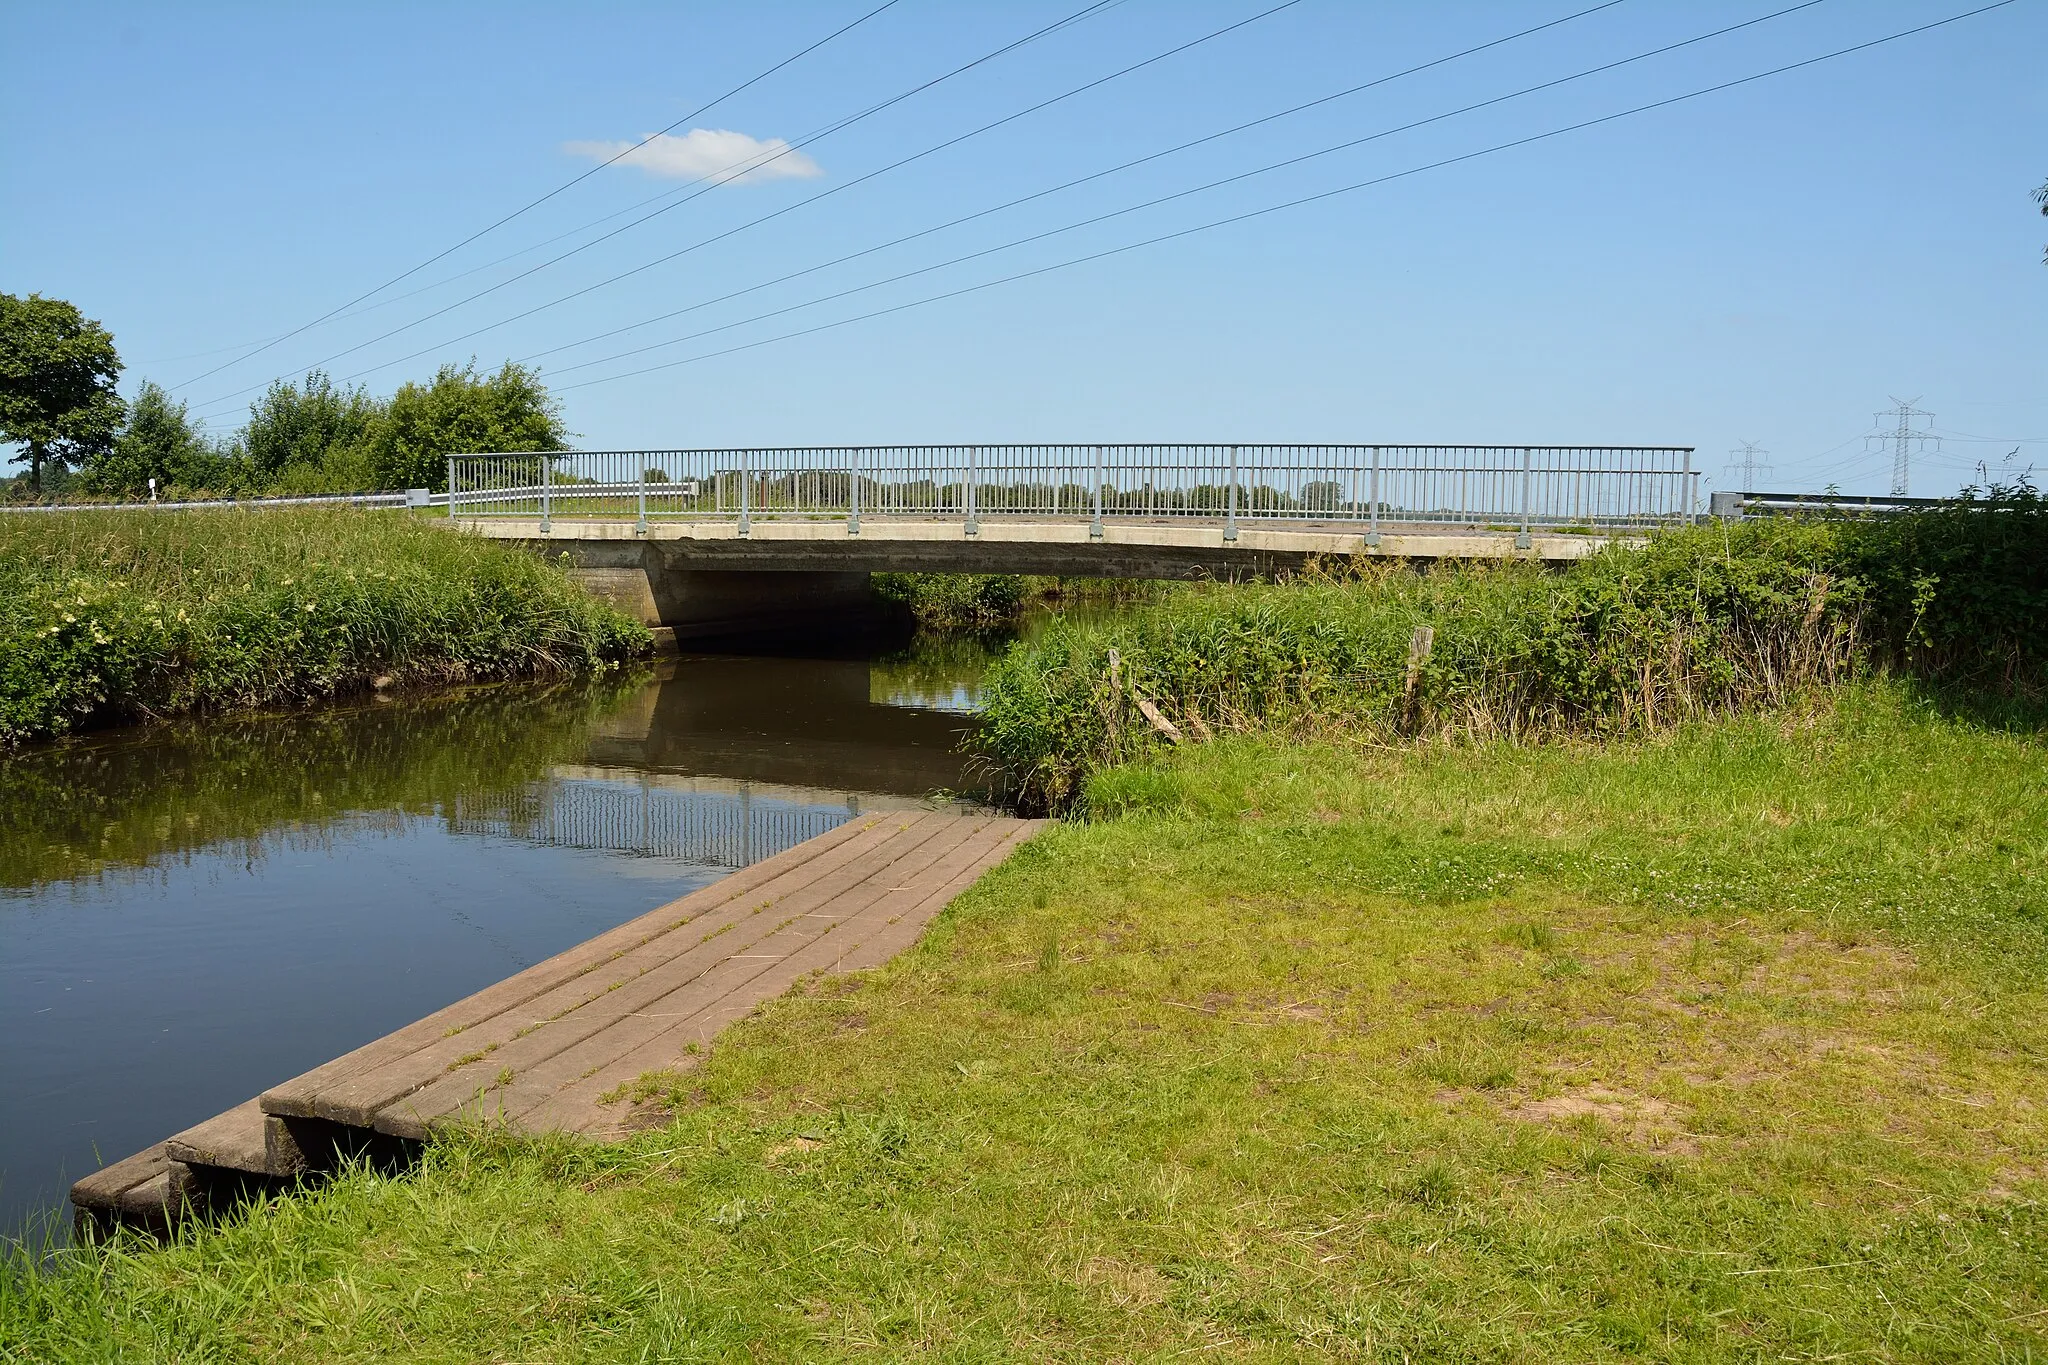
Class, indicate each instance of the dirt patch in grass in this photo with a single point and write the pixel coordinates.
(1640, 1120)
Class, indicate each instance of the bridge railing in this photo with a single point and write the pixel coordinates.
(1598, 487)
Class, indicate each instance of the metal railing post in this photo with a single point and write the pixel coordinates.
(1230, 496)
(973, 527)
(546, 505)
(451, 488)
(1372, 537)
(853, 494)
(1522, 541)
(1095, 526)
(746, 492)
(640, 526)
(1685, 488)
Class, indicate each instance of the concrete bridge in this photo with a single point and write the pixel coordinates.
(708, 542)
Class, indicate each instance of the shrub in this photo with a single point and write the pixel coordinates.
(461, 411)
(306, 438)
(158, 443)
(1959, 592)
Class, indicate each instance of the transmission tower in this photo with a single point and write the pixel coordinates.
(1895, 430)
(1750, 461)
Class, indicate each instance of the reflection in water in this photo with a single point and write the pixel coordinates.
(711, 829)
(937, 673)
(130, 799)
(800, 722)
(190, 912)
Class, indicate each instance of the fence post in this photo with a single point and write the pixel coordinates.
(1095, 526)
(1372, 537)
(640, 478)
(746, 492)
(1230, 513)
(1522, 541)
(451, 487)
(853, 494)
(1685, 487)
(546, 482)
(973, 527)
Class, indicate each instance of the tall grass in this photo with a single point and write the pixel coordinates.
(109, 616)
(1708, 621)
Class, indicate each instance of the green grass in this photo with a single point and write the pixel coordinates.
(109, 616)
(1722, 1044)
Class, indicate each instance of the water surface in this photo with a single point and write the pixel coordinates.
(192, 912)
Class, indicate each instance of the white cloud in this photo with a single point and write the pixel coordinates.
(717, 154)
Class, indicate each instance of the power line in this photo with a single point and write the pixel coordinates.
(1992, 440)
(1181, 194)
(536, 203)
(1904, 439)
(1056, 189)
(1138, 207)
(715, 178)
(1305, 200)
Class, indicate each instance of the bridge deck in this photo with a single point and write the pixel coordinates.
(557, 1047)
(1131, 547)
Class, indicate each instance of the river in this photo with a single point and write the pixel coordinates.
(191, 912)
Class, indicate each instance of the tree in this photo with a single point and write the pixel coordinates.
(158, 443)
(318, 428)
(57, 373)
(462, 412)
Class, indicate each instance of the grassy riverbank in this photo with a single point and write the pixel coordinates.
(1713, 621)
(112, 616)
(1716, 1043)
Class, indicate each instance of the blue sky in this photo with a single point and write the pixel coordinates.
(1772, 263)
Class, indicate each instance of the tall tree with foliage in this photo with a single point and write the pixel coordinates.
(57, 373)
(462, 411)
(316, 430)
(158, 443)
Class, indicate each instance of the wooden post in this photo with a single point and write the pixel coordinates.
(1419, 646)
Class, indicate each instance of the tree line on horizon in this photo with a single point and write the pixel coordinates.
(79, 437)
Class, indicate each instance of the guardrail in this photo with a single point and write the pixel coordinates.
(411, 497)
(1736, 506)
(1512, 487)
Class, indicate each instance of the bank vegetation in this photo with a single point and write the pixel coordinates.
(1710, 621)
(122, 616)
